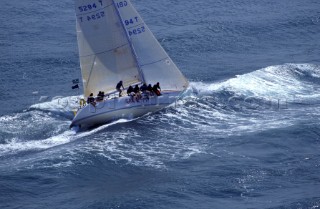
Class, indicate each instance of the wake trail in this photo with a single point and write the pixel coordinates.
(16, 146)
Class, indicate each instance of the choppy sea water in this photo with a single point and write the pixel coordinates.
(245, 135)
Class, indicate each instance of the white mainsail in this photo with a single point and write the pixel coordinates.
(115, 44)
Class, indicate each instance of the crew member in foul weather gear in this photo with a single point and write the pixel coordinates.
(129, 90)
(144, 88)
(136, 90)
(90, 100)
(100, 96)
(131, 93)
(149, 90)
(118, 87)
(156, 89)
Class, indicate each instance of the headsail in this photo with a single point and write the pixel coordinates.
(154, 62)
(115, 44)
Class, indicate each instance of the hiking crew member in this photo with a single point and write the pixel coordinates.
(91, 99)
(156, 89)
(129, 90)
(136, 90)
(149, 89)
(100, 96)
(144, 88)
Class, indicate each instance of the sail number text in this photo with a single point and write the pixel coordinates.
(92, 6)
(89, 7)
(92, 17)
(122, 4)
(136, 31)
(131, 21)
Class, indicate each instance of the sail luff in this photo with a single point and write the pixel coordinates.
(130, 42)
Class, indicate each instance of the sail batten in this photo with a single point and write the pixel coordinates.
(150, 63)
(105, 51)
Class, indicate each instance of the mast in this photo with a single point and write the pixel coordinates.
(130, 42)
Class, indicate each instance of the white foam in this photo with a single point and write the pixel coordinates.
(16, 145)
(281, 81)
(59, 104)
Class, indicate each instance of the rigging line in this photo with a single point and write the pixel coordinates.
(94, 60)
(129, 40)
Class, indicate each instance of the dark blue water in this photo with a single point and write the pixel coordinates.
(245, 135)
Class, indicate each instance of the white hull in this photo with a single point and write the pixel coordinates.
(121, 108)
